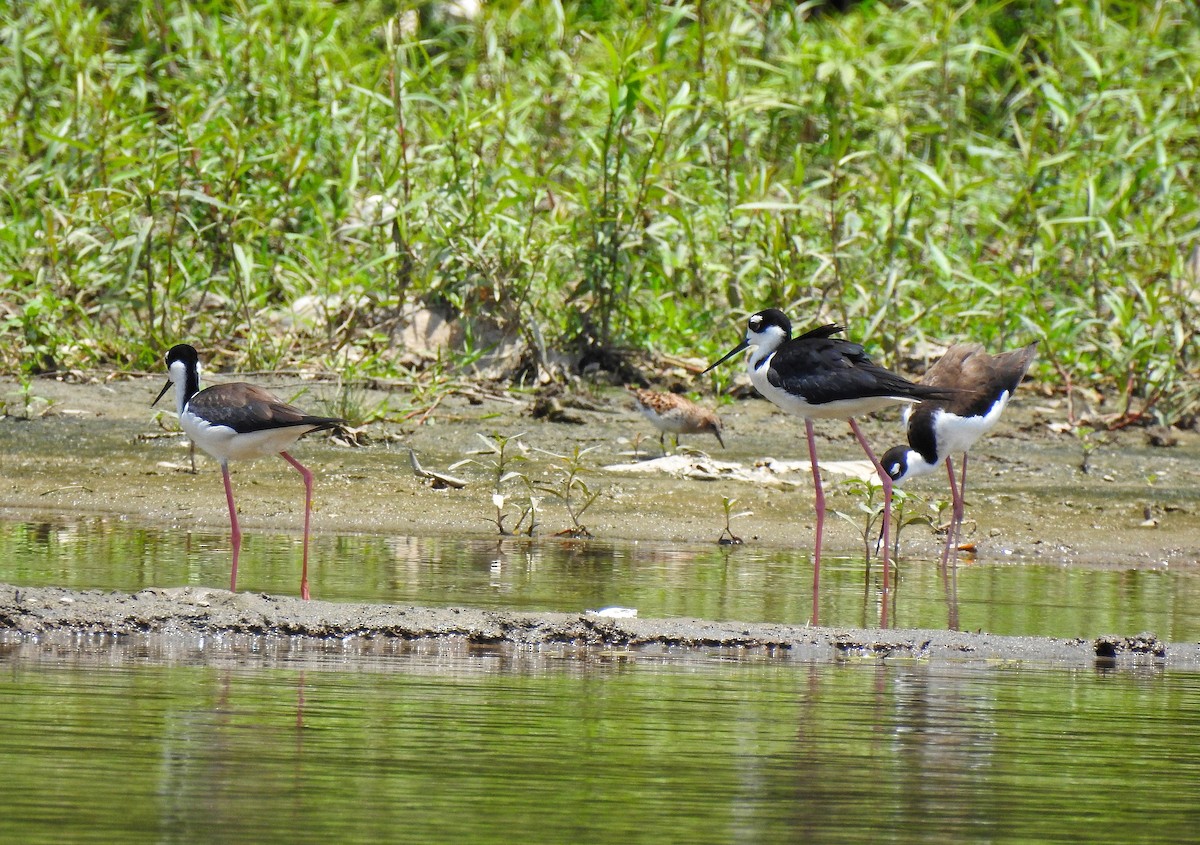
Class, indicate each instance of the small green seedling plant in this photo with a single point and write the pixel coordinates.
(501, 455)
(727, 537)
(571, 489)
(529, 510)
(28, 405)
(906, 511)
(868, 512)
(1089, 440)
(637, 445)
(943, 510)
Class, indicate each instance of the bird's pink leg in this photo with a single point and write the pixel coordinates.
(952, 529)
(960, 504)
(307, 514)
(819, 494)
(887, 507)
(233, 524)
(962, 495)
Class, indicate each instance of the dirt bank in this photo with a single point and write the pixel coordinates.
(196, 624)
(102, 450)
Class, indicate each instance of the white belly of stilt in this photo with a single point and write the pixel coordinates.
(225, 444)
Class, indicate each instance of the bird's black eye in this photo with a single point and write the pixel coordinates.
(755, 322)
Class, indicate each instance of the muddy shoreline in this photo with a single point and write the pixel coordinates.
(100, 450)
(194, 621)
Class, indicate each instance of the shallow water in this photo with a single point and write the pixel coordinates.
(214, 741)
(429, 748)
(659, 580)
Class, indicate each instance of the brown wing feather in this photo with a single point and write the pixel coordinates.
(980, 377)
(247, 407)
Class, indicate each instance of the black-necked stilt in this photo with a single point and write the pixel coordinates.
(670, 412)
(938, 428)
(238, 421)
(818, 376)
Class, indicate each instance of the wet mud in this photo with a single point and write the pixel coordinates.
(102, 450)
(183, 620)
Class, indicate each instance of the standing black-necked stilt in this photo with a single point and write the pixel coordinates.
(238, 421)
(937, 428)
(670, 412)
(818, 376)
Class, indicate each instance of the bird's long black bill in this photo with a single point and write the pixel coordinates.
(161, 393)
(727, 356)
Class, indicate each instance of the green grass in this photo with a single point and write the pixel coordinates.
(615, 175)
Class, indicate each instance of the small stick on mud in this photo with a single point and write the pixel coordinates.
(439, 479)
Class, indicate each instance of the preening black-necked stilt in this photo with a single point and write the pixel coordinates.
(818, 376)
(235, 422)
(938, 428)
(670, 412)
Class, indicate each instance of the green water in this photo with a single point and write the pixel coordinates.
(110, 745)
(242, 739)
(707, 582)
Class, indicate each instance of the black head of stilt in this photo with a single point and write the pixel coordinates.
(182, 353)
(757, 328)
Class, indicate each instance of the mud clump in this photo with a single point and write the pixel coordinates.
(1145, 643)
